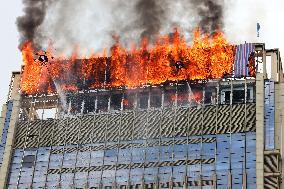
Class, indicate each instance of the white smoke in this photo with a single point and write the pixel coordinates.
(90, 24)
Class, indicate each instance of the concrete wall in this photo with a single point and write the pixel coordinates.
(259, 130)
(15, 97)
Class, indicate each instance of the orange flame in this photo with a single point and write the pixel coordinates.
(169, 59)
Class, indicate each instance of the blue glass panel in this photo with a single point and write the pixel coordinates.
(179, 173)
(5, 129)
(55, 161)
(108, 177)
(69, 160)
(223, 160)
(166, 153)
(180, 152)
(94, 178)
(138, 155)
(165, 174)
(53, 180)
(80, 179)
(150, 174)
(38, 185)
(66, 180)
(110, 157)
(26, 175)
(269, 114)
(122, 176)
(83, 159)
(97, 158)
(152, 154)
(124, 156)
(136, 175)
(194, 172)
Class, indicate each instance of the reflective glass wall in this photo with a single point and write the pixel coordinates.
(206, 161)
(184, 136)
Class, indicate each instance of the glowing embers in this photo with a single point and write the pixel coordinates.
(169, 59)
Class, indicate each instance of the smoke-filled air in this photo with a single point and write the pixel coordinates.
(91, 24)
(69, 45)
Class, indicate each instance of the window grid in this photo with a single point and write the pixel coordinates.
(168, 172)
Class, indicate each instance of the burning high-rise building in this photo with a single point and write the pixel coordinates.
(205, 116)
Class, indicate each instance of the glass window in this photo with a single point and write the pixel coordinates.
(124, 156)
(38, 185)
(194, 151)
(115, 103)
(110, 157)
(129, 101)
(143, 100)
(52, 180)
(269, 111)
(183, 94)
(166, 153)
(138, 155)
(26, 176)
(165, 173)
(155, 98)
(210, 95)
(83, 159)
(66, 180)
(150, 174)
(136, 175)
(180, 152)
(152, 154)
(102, 102)
(108, 177)
(80, 179)
(122, 176)
(179, 173)
(170, 97)
(28, 161)
(94, 178)
(193, 172)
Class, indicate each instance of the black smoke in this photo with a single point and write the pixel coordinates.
(211, 15)
(150, 16)
(60, 21)
(28, 24)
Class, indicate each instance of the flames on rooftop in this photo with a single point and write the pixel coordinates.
(169, 59)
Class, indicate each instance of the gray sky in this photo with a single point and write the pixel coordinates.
(241, 17)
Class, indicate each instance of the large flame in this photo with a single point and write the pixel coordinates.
(169, 59)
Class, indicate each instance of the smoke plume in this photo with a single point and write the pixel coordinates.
(28, 24)
(210, 13)
(91, 23)
(150, 14)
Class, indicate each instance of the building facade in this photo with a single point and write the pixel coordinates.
(217, 134)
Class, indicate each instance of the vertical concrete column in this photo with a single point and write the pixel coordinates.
(277, 116)
(15, 97)
(281, 123)
(259, 130)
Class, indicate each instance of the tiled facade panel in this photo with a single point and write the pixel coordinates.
(195, 160)
(171, 147)
(135, 125)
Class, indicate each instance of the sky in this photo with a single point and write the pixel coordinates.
(240, 21)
